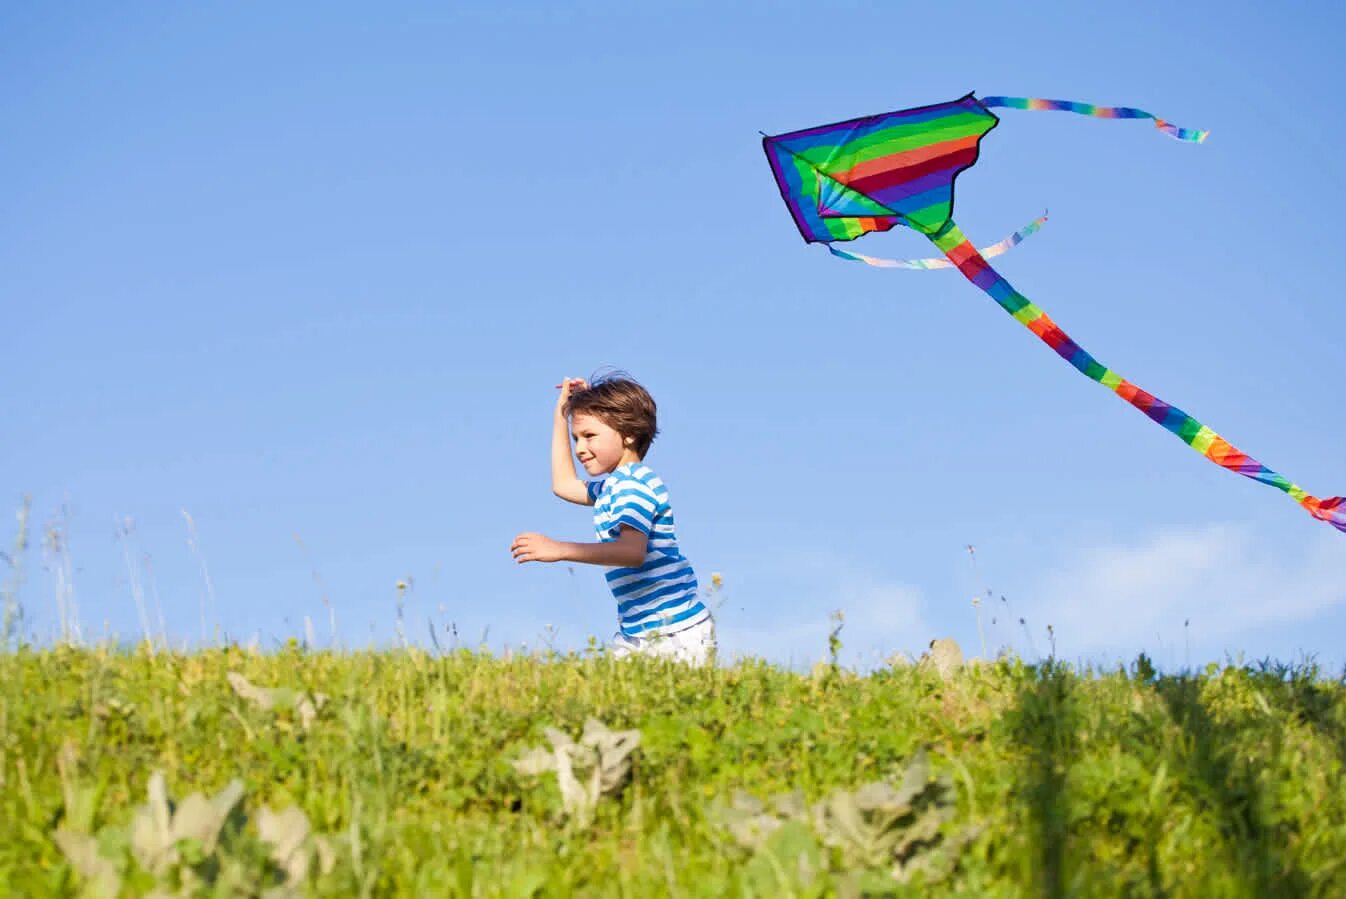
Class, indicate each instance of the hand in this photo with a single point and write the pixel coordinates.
(535, 548)
(568, 386)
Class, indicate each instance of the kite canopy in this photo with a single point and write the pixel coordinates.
(869, 174)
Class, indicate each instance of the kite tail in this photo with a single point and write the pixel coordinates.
(1333, 510)
(994, 249)
(1192, 135)
(976, 269)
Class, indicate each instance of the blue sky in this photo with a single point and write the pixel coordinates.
(310, 273)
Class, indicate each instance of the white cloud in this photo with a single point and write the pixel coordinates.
(1123, 598)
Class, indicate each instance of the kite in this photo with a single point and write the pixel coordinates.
(870, 174)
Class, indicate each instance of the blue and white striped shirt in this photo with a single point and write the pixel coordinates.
(659, 597)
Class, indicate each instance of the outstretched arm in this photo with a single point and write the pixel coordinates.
(563, 481)
(627, 551)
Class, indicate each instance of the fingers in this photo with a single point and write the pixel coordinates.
(532, 547)
(522, 548)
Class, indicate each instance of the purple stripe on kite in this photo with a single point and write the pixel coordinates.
(1267, 476)
(986, 277)
(913, 206)
(1162, 413)
(1081, 359)
(1067, 348)
(890, 188)
(839, 132)
(1000, 291)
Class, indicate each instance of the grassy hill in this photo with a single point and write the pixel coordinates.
(1001, 780)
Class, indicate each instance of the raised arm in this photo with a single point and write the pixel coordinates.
(563, 481)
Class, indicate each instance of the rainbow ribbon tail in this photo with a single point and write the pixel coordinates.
(1333, 510)
(1037, 104)
(960, 251)
(994, 249)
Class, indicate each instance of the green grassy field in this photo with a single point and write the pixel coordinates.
(1007, 780)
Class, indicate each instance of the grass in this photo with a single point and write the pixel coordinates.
(1066, 782)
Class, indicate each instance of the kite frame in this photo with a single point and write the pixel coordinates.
(785, 193)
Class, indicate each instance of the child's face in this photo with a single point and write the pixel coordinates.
(599, 448)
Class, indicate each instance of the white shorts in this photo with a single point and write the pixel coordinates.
(693, 645)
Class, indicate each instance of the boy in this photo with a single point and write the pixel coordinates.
(613, 424)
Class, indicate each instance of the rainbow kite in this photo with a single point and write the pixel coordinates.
(874, 173)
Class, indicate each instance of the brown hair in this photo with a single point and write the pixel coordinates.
(620, 403)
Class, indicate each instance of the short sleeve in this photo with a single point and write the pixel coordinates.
(634, 505)
(594, 488)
